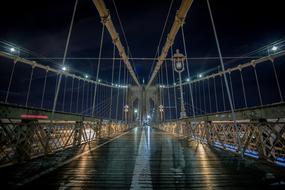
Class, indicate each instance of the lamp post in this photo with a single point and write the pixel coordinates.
(161, 110)
(126, 110)
(178, 65)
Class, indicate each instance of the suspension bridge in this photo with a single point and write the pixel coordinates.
(62, 128)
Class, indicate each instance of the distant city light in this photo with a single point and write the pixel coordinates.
(274, 48)
(12, 49)
(86, 76)
(64, 68)
(187, 79)
(200, 75)
(136, 111)
(99, 80)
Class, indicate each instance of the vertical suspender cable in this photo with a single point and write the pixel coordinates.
(118, 89)
(29, 88)
(174, 88)
(209, 93)
(64, 92)
(98, 68)
(87, 99)
(232, 89)
(44, 89)
(63, 61)
(199, 95)
(258, 87)
(188, 72)
(277, 81)
(113, 65)
(195, 84)
(168, 93)
(10, 81)
(71, 98)
(225, 77)
(216, 99)
(124, 91)
(243, 88)
(223, 94)
(82, 98)
(162, 89)
(204, 97)
(77, 98)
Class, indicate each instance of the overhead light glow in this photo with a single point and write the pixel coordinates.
(200, 75)
(136, 111)
(12, 49)
(187, 79)
(274, 48)
(86, 76)
(64, 68)
(148, 116)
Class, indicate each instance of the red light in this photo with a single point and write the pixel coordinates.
(25, 116)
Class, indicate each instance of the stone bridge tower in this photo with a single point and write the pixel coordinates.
(143, 102)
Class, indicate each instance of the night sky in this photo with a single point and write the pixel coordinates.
(42, 27)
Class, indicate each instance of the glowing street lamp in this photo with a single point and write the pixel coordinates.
(161, 110)
(178, 65)
(12, 49)
(64, 68)
(200, 75)
(86, 76)
(274, 48)
(136, 111)
(126, 110)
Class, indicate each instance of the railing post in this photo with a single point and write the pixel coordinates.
(24, 133)
(78, 133)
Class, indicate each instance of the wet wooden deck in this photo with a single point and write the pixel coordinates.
(146, 158)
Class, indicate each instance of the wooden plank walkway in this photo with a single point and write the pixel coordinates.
(146, 158)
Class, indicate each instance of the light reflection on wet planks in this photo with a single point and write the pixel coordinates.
(150, 159)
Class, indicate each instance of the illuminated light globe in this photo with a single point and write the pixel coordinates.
(178, 61)
(126, 108)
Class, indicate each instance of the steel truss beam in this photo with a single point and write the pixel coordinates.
(179, 20)
(107, 21)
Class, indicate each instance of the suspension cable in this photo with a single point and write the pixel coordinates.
(161, 36)
(216, 99)
(112, 80)
(98, 67)
(63, 61)
(10, 81)
(223, 94)
(71, 98)
(82, 98)
(118, 90)
(204, 96)
(44, 89)
(174, 89)
(258, 87)
(64, 92)
(188, 72)
(168, 93)
(277, 81)
(243, 87)
(225, 77)
(209, 93)
(30, 83)
(232, 90)
(77, 98)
